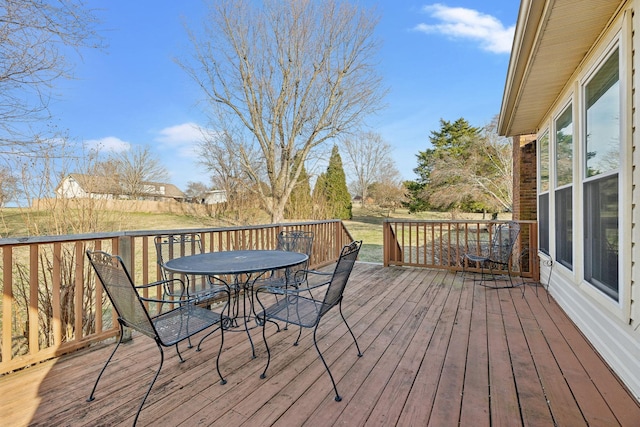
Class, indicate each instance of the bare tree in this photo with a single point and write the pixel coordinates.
(8, 185)
(368, 161)
(220, 156)
(137, 168)
(388, 194)
(196, 191)
(291, 74)
(35, 39)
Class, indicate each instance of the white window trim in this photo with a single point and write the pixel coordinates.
(621, 307)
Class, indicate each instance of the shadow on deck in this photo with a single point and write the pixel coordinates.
(437, 351)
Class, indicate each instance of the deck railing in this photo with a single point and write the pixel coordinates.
(442, 244)
(51, 305)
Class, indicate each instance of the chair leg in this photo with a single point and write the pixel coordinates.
(91, 397)
(263, 375)
(349, 328)
(315, 343)
(299, 335)
(178, 351)
(222, 380)
(155, 377)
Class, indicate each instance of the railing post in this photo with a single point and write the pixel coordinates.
(125, 252)
(385, 243)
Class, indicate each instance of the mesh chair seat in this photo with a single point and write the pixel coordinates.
(181, 323)
(300, 311)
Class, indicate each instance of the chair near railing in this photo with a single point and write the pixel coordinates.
(494, 255)
(442, 244)
(50, 303)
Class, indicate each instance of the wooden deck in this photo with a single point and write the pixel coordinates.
(437, 351)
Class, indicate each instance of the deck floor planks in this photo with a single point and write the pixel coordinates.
(384, 320)
(372, 374)
(475, 400)
(241, 377)
(287, 370)
(592, 406)
(405, 377)
(530, 393)
(609, 387)
(392, 400)
(418, 406)
(503, 397)
(448, 401)
(564, 408)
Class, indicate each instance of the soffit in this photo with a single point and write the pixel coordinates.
(551, 40)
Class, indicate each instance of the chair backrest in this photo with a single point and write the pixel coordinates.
(504, 238)
(120, 289)
(295, 241)
(170, 246)
(340, 276)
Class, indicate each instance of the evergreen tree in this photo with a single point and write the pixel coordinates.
(330, 193)
(300, 205)
(453, 140)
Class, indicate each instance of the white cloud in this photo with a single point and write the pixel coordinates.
(180, 134)
(184, 138)
(109, 143)
(459, 22)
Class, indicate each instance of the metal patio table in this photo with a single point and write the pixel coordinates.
(245, 266)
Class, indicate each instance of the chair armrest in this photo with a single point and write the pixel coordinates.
(160, 282)
(170, 301)
(306, 276)
(320, 273)
(182, 288)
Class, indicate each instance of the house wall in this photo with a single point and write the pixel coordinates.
(70, 189)
(613, 327)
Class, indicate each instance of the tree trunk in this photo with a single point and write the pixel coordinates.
(277, 212)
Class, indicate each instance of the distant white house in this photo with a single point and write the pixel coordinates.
(213, 197)
(100, 187)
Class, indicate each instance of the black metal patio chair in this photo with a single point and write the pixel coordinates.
(294, 241)
(167, 328)
(495, 256)
(205, 290)
(299, 307)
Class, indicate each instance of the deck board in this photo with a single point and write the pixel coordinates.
(437, 351)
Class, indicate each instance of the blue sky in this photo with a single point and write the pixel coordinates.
(439, 60)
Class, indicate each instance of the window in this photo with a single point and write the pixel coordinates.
(543, 193)
(564, 228)
(564, 193)
(602, 159)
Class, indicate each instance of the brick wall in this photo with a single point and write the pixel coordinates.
(524, 182)
(525, 189)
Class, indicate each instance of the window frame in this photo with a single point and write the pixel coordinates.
(563, 204)
(587, 181)
(544, 186)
